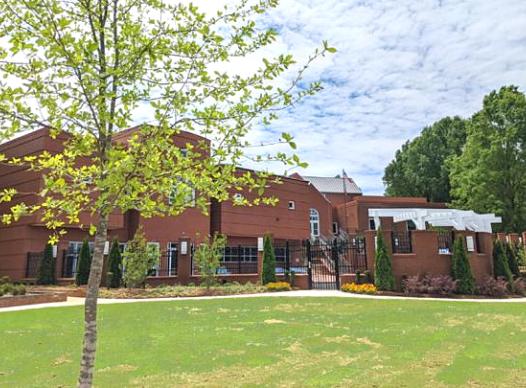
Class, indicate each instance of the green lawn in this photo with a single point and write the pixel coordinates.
(273, 341)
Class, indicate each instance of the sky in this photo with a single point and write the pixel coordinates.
(400, 65)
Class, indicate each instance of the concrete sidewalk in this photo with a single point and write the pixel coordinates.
(72, 301)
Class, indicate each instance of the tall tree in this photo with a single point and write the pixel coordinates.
(419, 167)
(84, 264)
(489, 175)
(268, 274)
(383, 268)
(83, 68)
(461, 269)
(46, 271)
(115, 265)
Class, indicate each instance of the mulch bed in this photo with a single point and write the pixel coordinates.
(452, 296)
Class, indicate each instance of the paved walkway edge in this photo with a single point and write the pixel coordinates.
(72, 301)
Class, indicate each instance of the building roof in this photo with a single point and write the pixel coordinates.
(334, 185)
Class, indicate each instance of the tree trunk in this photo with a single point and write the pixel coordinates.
(87, 363)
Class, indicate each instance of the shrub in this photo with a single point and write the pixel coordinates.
(460, 268)
(4, 280)
(511, 256)
(208, 257)
(46, 271)
(383, 275)
(494, 287)
(269, 261)
(519, 286)
(521, 255)
(365, 288)
(435, 285)
(84, 264)
(278, 286)
(13, 289)
(138, 260)
(115, 266)
(18, 289)
(501, 268)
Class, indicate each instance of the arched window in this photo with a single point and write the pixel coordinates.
(314, 223)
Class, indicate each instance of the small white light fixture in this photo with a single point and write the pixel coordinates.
(55, 251)
(184, 247)
(260, 244)
(292, 205)
(106, 247)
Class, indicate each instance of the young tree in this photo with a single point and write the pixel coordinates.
(501, 268)
(115, 266)
(46, 271)
(82, 69)
(208, 256)
(268, 274)
(511, 256)
(139, 259)
(383, 270)
(489, 174)
(461, 269)
(84, 264)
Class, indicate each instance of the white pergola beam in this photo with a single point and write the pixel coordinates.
(458, 219)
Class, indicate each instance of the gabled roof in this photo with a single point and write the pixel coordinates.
(330, 185)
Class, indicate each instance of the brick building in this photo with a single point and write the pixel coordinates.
(321, 209)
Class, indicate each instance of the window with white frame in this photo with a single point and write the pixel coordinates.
(372, 224)
(314, 223)
(335, 229)
(292, 205)
(186, 189)
(246, 254)
(238, 198)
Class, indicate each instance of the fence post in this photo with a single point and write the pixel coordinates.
(335, 258)
(309, 263)
(63, 263)
(287, 258)
(27, 264)
(239, 258)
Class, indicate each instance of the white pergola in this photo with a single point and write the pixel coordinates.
(458, 219)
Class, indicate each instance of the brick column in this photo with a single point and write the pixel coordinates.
(524, 239)
(501, 236)
(514, 238)
(184, 262)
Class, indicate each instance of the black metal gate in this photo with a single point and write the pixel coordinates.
(325, 262)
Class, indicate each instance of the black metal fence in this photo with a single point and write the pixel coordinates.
(236, 260)
(33, 263)
(401, 242)
(69, 263)
(445, 241)
(352, 255)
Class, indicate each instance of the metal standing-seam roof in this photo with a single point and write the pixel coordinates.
(334, 185)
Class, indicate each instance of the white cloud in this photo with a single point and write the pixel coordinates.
(400, 66)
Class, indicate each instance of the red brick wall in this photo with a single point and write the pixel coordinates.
(282, 223)
(425, 258)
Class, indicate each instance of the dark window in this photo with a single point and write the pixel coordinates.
(372, 224)
(335, 228)
(402, 242)
(247, 254)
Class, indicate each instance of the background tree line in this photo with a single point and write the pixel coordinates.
(478, 163)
